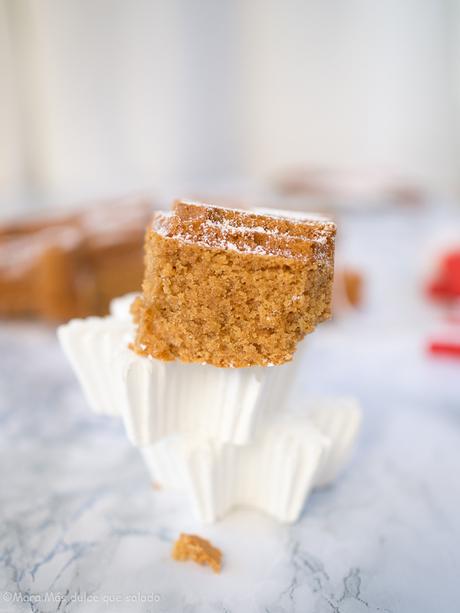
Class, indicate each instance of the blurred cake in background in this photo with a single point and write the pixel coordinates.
(59, 266)
(341, 188)
(349, 288)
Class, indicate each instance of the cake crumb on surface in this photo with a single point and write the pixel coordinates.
(193, 547)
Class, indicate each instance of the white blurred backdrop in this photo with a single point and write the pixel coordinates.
(102, 96)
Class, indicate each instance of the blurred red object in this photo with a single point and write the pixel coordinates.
(445, 341)
(444, 347)
(446, 284)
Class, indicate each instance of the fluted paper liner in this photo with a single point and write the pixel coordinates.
(338, 419)
(275, 474)
(97, 350)
(219, 434)
(166, 464)
(157, 399)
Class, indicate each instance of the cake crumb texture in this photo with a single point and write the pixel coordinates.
(193, 547)
(232, 288)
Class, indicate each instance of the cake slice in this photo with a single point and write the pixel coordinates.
(232, 288)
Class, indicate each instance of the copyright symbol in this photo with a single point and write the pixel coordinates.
(7, 596)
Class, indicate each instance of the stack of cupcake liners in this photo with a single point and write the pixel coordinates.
(222, 435)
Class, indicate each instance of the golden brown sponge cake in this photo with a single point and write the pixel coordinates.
(232, 288)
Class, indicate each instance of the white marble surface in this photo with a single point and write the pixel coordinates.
(81, 529)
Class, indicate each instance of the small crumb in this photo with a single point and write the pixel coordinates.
(156, 486)
(197, 549)
(353, 282)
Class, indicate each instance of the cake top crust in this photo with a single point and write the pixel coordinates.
(257, 233)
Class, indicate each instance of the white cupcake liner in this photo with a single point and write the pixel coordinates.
(97, 351)
(338, 419)
(274, 474)
(166, 465)
(164, 398)
(157, 399)
(212, 432)
(120, 307)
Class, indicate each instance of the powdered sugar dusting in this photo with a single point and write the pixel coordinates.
(232, 234)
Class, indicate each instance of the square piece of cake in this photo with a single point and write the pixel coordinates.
(232, 288)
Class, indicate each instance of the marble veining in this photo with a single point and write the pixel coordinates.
(80, 520)
(80, 523)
